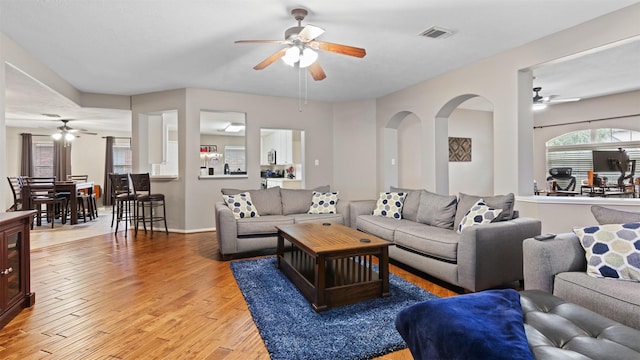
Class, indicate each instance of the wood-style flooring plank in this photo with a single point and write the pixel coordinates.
(141, 298)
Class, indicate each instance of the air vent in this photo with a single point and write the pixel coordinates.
(436, 33)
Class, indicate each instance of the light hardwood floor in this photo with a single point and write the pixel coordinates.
(166, 297)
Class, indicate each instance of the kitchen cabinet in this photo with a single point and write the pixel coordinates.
(284, 183)
(15, 283)
(279, 140)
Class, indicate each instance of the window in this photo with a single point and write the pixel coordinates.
(574, 149)
(43, 158)
(122, 156)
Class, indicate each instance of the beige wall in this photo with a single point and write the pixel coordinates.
(347, 139)
(476, 176)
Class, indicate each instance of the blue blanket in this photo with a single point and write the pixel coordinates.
(483, 325)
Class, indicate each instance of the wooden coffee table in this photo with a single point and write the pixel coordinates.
(331, 265)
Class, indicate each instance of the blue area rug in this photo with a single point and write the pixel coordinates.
(291, 329)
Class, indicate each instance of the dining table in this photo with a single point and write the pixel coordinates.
(71, 187)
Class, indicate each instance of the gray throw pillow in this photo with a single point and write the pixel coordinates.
(266, 201)
(437, 210)
(605, 215)
(298, 201)
(411, 203)
(504, 202)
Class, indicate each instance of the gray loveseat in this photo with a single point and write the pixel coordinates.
(480, 257)
(275, 206)
(559, 266)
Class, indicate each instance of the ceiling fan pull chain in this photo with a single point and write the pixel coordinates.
(299, 89)
(306, 81)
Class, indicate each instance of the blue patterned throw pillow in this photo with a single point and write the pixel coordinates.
(612, 250)
(480, 213)
(390, 205)
(323, 203)
(241, 205)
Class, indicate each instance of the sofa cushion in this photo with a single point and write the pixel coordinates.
(557, 328)
(504, 202)
(266, 201)
(241, 205)
(262, 225)
(411, 202)
(324, 203)
(617, 300)
(429, 240)
(390, 204)
(437, 210)
(332, 218)
(605, 215)
(612, 250)
(382, 227)
(298, 201)
(479, 214)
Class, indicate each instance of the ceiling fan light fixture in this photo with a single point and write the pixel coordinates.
(69, 137)
(539, 106)
(308, 57)
(291, 56)
(56, 136)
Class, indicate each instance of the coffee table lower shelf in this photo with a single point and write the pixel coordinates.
(336, 280)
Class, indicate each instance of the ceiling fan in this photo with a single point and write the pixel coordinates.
(301, 47)
(68, 133)
(540, 102)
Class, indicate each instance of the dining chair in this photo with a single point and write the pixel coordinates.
(147, 201)
(87, 201)
(15, 182)
(42, 192)
(122, 200)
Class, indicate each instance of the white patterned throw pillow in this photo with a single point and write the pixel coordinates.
(241, 205)
(390, 205)
(612, 250)
(324, 203)
(480, 213)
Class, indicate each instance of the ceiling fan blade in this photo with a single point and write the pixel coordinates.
(316, 71)
(262, 42)
(555, 101)
(339, 48)
(309, 33)
(271, 59)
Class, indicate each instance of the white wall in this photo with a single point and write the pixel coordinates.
(475, 176)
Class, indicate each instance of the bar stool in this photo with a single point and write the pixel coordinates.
(145, 200)
(122, 199)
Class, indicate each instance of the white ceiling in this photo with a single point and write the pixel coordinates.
(129, 47)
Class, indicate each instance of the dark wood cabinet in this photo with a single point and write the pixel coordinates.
(15, 282)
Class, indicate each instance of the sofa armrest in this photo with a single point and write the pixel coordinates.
(491, 255)
(226, 229)
(343, 208)
(544, 259)
(360, 207)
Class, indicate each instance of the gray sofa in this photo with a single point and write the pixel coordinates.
(275, 206)
(480, 257)
(559, 266)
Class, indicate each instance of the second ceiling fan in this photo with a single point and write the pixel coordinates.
(302, 45)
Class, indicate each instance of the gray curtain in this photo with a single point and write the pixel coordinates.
(61, 160)
(26, 162)
(108, 169)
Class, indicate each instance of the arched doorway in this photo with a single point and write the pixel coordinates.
(465, 119)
